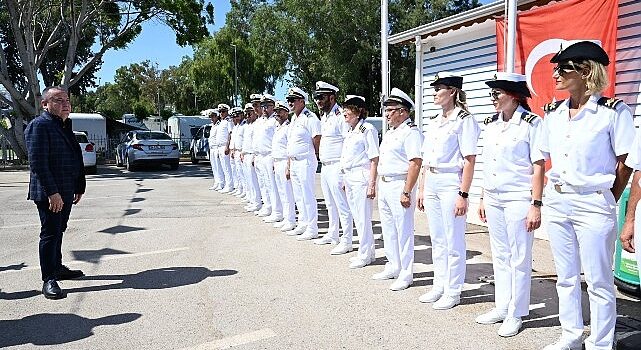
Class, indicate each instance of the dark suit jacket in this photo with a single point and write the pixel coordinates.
(55, 158)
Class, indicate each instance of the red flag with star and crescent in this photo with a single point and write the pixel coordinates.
(540, 32)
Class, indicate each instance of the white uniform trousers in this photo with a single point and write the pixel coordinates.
(262, 183)
(447, 232)
(239, 174)
(225, 167)
(582, 230)
(511, 245)
(336, 202)
(252, 181)
(398, 229)
(302, 172)
(356, 183)
(285, 192)
(213, 155)
(220, 175)
(267, 167)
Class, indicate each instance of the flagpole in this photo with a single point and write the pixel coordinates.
(511, 36)
(384, 61)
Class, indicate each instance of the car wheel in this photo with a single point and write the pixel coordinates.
(91, 170)
(130, 167)
(194, 160)
(174, 166)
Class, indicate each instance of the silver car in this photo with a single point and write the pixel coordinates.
(147, 147)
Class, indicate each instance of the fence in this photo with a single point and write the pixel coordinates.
(7, 156)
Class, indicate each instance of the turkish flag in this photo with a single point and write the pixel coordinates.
(540, 32)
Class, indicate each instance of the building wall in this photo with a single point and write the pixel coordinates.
(471, 52)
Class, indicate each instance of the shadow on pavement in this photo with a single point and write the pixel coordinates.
(55, 329)
(162, 278)
(121, 229)
(94, 256)
(185, 170)
(15, 267)
(24, 294)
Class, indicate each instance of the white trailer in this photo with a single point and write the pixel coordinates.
(180, 128)
(93, 125)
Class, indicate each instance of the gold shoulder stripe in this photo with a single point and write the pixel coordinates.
(552, 106)
(528, 117)
(491, 119)
(609, 102)
(462, 114)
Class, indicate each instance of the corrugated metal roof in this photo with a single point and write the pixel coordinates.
(463, 19)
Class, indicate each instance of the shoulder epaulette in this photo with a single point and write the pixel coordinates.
(529, 117)
(491, 119)
(609, 102)
(410, 123)
(462, 114)
(307, 112)
(362, 128)
(552, 106)
(433, 116)
(337, 111)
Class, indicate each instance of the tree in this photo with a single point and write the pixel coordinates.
(54, 39)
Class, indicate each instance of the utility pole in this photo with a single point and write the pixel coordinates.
(235, 77)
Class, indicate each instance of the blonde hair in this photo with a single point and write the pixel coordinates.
(597, 79)
(460, 99)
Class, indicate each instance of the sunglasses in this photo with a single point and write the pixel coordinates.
(563, 69)
(319, 97)
(495, 95)
(438, 88)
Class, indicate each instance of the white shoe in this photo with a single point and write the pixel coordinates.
(385, 275)
(510, 327)
(431, 296)
(288, 226)
(279, 224)
(300, 229)
(212, 188)
(491, 317)
(358, 263)
(399, 285)
(263, 213)
(307, 236)
(271, 219)
(325, 240)
(563, 344)
(446, 302)
(250, 208)
(341, 248)
(372, 257)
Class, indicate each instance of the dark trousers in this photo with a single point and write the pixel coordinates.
(52, 226)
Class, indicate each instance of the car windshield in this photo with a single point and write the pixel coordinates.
(152, 135)
(81, 138)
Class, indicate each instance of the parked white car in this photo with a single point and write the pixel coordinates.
(88, 152)
(147, 147)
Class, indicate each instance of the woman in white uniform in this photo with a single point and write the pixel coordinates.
(359, 159)
(449, 155)
(279, 154)
(587, 137)
(234, 149)
(213, 149)
(398, 167)
(513, 171)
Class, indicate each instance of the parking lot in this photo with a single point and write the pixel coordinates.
(171, 265)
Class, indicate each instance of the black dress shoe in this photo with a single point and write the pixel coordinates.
(51, 290)
(65, 274)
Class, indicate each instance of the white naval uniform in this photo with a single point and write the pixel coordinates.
(580, 210)
(223, 131)
(511, 147)
(237, 165)
(284, 185)
(634, 161)
(359, 148)
(333, 130)
(447, 143)
(253, 191)
(263, 136)
(219, 181)
(302, 167)
(399, 146)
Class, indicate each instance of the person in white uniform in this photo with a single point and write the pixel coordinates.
(279, 154)
(333, 131)
(449, 155)
(234, 149)
(587, 137)
(399, 165)
(359, 160)
(273, 209)
(213, 149)
(223, 137)
(254, 199)
(511, 203)
(244, 196)
(630, 236)
(303, 138)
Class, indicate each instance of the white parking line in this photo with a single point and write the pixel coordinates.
(236, 340)
(105, 258)
(38, 224)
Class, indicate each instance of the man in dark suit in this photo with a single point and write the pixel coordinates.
(57, 181)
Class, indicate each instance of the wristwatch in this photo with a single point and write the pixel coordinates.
(463, 194)
(537, 203)
(406, 194)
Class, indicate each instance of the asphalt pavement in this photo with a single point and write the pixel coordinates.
(171, 265)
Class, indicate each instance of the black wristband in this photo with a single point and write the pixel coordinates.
(463, 194)
(537, 203)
